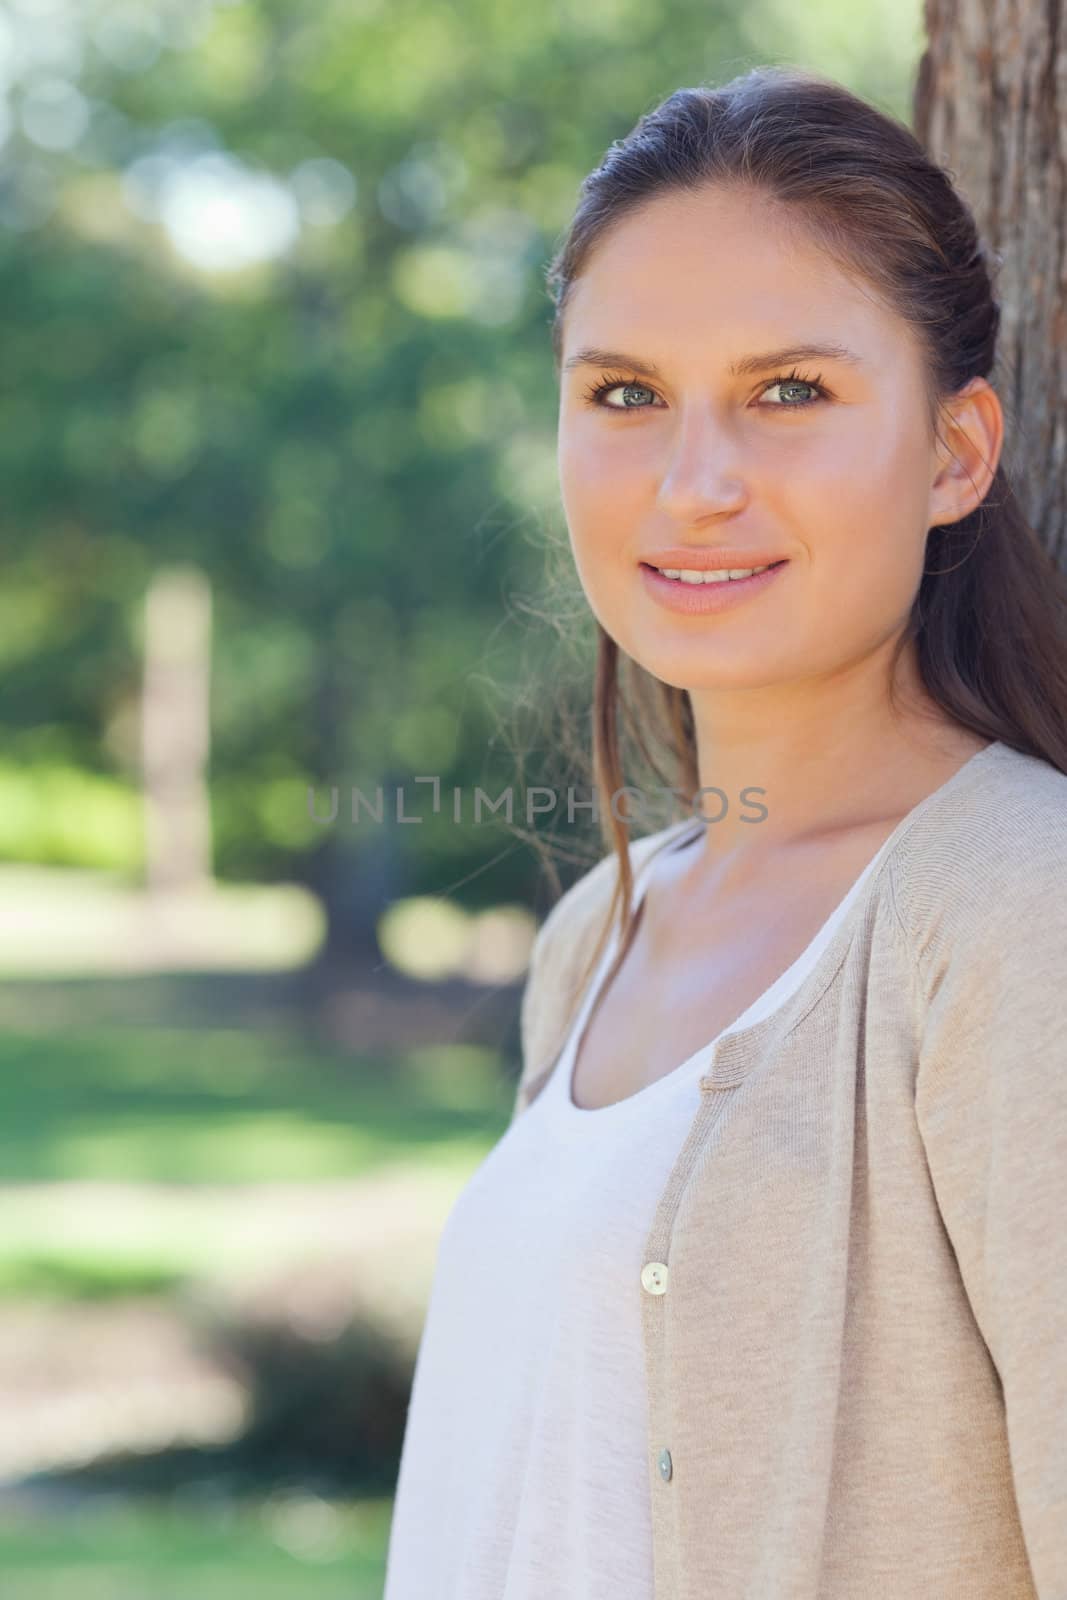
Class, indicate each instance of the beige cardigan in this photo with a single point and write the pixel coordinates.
(856, 1349)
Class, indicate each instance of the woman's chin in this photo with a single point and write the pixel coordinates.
(698, 668)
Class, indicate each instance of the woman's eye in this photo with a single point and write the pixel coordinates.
(602, 390)
(792, 384)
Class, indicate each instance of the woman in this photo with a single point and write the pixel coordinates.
(764, 1292)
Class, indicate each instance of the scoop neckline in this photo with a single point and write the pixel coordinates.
(734, 1044)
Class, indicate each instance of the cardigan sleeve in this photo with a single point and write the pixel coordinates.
(555, 969)
(991, 1104)
(540, 1000)
(529, 1002)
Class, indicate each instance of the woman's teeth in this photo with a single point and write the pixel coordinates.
(713, 577)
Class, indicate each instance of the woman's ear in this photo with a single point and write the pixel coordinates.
(968, 455)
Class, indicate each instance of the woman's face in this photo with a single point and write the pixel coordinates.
(839, 484)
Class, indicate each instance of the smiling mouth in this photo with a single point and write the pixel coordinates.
(706, 577)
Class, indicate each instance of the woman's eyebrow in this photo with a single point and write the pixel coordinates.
(823, 351)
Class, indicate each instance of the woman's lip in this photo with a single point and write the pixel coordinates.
(703, 598)
(712, 563)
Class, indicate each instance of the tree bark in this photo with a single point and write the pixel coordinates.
(990, 105)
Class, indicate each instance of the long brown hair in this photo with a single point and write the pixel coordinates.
(990, 615)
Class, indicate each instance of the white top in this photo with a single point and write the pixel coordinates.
(524, 1469)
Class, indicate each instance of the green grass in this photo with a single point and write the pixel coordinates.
(167, 1111)
(146, 1117)
(230, 1106)
(280, 1550)
(82, 1275)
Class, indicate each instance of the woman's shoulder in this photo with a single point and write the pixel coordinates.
(986, 855)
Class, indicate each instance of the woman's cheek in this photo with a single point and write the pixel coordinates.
(599, 517)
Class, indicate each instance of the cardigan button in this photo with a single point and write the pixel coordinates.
(654, 1277)
(665, 1467)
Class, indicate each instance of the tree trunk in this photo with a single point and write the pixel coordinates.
(176, 729)
(356, 870)
(991, 106)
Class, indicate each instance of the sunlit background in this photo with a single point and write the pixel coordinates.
(277, 458)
